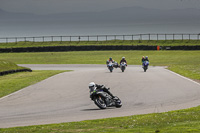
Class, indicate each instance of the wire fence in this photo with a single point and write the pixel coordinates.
(97, 38)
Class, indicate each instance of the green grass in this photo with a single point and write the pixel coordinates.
(186, 63)
(14, 82)
(7, 65)
(113, 42)
(162, 58)
(181, 121)
(190, 71)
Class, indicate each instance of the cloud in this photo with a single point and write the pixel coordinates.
(65, 6)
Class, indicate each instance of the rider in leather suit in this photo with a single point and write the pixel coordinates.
(105, 89)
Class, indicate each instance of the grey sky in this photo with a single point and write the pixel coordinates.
(65, 6)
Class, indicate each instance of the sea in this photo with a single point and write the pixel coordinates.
(61, 28)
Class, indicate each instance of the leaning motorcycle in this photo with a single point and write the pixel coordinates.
(145, 65)
(103, 99)
(123, 66)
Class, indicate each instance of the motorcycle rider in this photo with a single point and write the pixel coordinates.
(146, 59)
(110, 60)
(115, 64)
(123, 60)
(92, 85)
(143, 59)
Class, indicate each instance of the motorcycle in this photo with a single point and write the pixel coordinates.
(115, 65)
(110, 66)
(123, 66)
(145, 65)
(103, 99)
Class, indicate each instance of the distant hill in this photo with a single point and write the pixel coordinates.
(121, 15)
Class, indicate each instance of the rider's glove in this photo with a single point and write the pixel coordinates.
(108, 88)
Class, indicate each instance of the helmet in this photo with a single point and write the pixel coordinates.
(123, 57)
(91, 85)
(146, 57)
(110, 58)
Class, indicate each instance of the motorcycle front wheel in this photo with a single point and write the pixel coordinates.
(118, 103)
(111, 69)
(122, 69)
(145, 69)
(100, 102)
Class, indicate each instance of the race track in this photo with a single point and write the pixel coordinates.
(65, 97)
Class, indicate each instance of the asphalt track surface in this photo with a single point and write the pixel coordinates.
(65, 97)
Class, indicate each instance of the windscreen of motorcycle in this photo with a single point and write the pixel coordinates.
(92, 89)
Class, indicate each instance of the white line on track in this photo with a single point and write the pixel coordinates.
(183, 77)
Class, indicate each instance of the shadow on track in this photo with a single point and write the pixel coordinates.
(98, 109)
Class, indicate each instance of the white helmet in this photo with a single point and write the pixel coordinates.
(123, 57)
(91, 85)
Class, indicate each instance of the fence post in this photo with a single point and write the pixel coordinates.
(97, 38)
(79, 38)
(70, 38)
(132, 37)
(43, 38)
(149, 37)
(182, 37)
(88, 38)
(106, 38)
(173, 37)
(157, 37)
(140, 38)
(189, 37)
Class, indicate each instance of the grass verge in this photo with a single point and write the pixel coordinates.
(7, 65)
(112, 42)
(14, 82)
